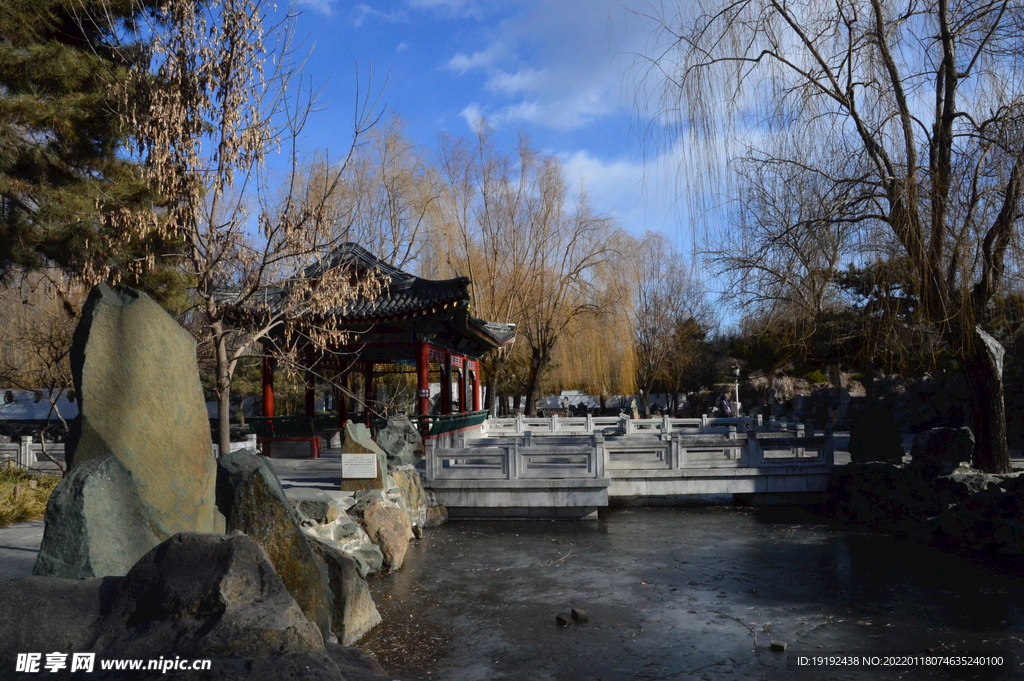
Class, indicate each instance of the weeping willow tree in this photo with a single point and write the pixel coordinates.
(905, 116)
(530, 247)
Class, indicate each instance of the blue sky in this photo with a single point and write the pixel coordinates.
(557, 70)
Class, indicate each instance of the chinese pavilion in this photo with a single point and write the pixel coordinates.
(410, 322)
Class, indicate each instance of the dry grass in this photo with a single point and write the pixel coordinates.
(23, 497)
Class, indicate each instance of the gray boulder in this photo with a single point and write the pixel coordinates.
(195, 595)
(204, 595)
(314, 504)
(354, 612)
(250, 496)
(95, 525)
(401, 441)
(940, 451)
(140, 401)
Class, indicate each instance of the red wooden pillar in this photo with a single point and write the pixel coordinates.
(477, 397)
(446, 385)
(268, 386)
(369, 393)
(422, 378)
(310, 394)
(464, 386)
(341, 400)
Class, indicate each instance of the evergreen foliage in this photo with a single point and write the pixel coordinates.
(64, 177)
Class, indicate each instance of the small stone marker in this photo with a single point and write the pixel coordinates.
(778, 647)
(358, 441)
(580, 616)
(563, 620)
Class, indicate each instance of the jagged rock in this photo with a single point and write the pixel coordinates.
(315, 504)
(414, 496)
(251, 498)
(563, 620)
(940, 451)
(389, 529)
(140, 400)
(874, 435)
(778, 646)
(401, 441)
(579, 615)
(95, 525)
(370, 559)
(354, 612)
(196, 595)
(435, 516)
(210, 595)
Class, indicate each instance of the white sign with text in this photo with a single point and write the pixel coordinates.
(358, 466)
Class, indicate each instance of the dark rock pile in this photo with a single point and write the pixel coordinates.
(936, 497)
(202, 596)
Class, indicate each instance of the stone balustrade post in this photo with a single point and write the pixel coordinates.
(252, 443)
(515, 461)
(590, 423)
(25, 457)
(520, 424)
(600, 455)
(754, 451)
(431, 458)
(703, 423)
(554, 423)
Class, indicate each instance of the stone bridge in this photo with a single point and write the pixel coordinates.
(570, 467)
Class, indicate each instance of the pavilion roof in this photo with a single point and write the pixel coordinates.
(405, 296)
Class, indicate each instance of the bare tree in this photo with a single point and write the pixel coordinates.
(667, 296)
(222, 93)
(907, 114)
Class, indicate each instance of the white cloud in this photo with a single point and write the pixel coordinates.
(475, 9)
(483, 59)
(361, 12)
(553, 64)
(473, 115)
(324, 7)
(402, 46)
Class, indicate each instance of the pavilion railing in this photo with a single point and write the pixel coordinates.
(432, 425)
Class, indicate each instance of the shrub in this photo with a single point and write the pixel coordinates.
(815, 377)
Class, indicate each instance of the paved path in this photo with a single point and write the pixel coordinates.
(19, 545)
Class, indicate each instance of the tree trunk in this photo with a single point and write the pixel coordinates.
(983, 371)
(223, 391)
(531, 398)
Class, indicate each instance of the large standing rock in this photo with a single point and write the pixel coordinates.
(354, 611)
(140, 401)
(401, 441)
(874, 435)
(250, 497)
(940, 451)
(95, 525)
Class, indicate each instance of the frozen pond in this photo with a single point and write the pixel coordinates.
(681, 593)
